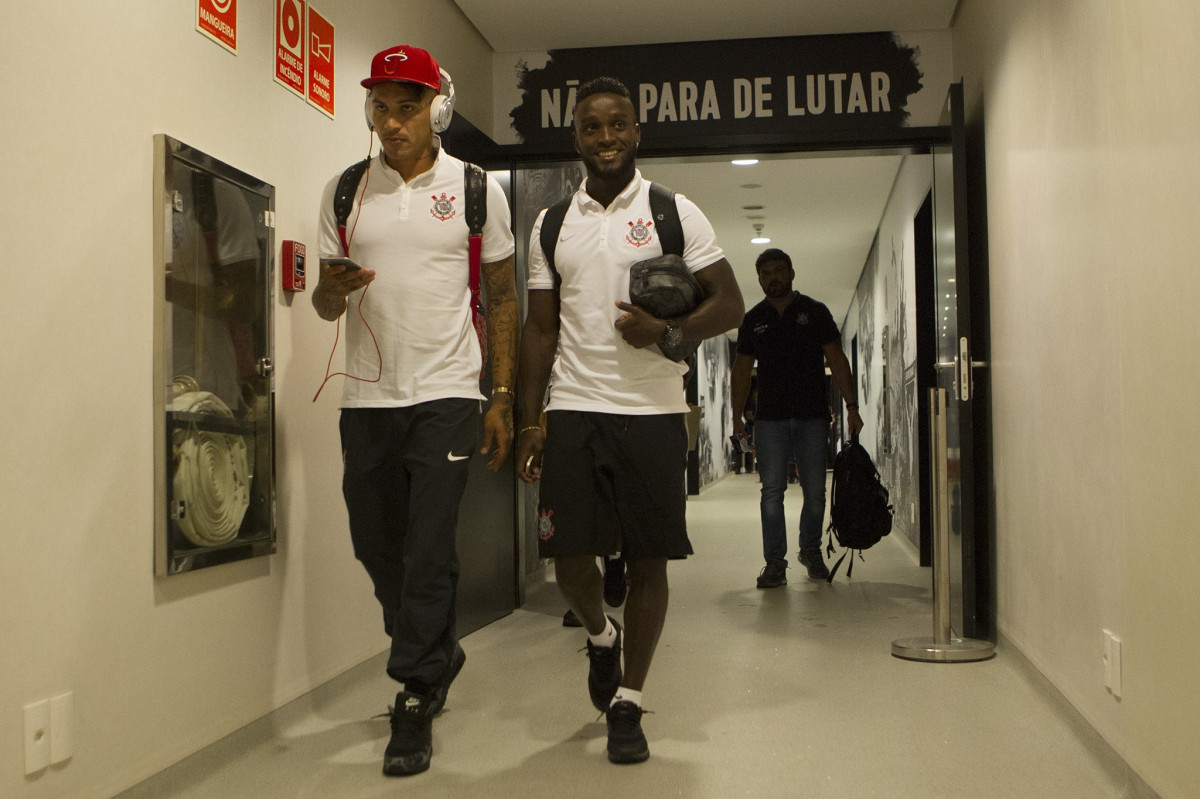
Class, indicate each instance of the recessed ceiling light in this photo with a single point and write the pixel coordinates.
(760, 240)
(744, 161)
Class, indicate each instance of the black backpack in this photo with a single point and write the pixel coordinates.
(662, 208)
(347, 188)
(859, 513)
(475, 180)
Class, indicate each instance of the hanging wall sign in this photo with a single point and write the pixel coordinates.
(217, 19)
(290, 65)
(320, 62)
(703, 92)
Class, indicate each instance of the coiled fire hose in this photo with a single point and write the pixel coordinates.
(212, 473)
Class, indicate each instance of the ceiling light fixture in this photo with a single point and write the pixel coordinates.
(744, 161)
(759, 238)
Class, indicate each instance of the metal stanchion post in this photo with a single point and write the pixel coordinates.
(942, 646)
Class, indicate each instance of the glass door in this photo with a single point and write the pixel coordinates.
(214, 396)
(954, 363)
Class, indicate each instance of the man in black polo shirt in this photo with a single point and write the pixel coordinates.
(792, 337)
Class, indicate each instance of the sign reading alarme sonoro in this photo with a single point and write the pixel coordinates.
(320, 62)
(290, 65)
(217, 19)
(707, 92)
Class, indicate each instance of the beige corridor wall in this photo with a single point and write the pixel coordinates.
(1092, 129)
(160, 668)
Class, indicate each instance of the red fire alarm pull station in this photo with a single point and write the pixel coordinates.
(293, 266)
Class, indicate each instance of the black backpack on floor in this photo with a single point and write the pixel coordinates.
(859, 513)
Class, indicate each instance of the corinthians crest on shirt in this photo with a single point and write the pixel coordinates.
(546, 524)
(639, 233)
(443, 207)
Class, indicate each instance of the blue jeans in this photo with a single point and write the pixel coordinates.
(774, 443)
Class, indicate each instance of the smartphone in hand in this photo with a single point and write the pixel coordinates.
(340, 261)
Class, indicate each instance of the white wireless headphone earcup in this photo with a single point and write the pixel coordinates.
(437, 110)
(441, 110)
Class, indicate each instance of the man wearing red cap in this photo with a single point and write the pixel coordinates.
(409, 421)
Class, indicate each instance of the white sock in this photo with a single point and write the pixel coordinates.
(628, 695)
(606, 638)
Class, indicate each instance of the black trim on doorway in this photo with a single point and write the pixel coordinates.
(924, 287)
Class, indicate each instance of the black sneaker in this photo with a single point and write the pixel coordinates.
(815, 564)
(604, 670)
(411, 744)
(615, 586)
(774, 574)
(626, 743)
(571, 620)
(437, 693)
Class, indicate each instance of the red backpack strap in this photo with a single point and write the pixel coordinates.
(475, 180)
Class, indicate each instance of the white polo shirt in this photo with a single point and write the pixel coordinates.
(414, 235)
(595, 370)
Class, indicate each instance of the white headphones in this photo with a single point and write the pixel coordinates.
(441, 108)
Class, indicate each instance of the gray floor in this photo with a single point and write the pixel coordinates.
(780, 693)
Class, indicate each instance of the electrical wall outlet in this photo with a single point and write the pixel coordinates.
(37, 736)
(62, 727)
(49, 732)
(1112, 663)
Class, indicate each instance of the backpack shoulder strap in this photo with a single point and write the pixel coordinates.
(666, 216)
(662, 208)
(552, 224)
(343, 198)
(475, 202)
(476, 182)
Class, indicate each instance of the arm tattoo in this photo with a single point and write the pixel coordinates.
(503, 321)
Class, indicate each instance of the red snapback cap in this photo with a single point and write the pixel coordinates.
(404, 63)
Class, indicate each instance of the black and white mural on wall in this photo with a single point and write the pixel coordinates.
(898, 429)
(887, 362)
(706, 94)
(713, 448)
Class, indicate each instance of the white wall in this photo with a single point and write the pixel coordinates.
(160, 668)
(1092, 127)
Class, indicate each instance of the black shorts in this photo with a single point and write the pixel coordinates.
(613, 483)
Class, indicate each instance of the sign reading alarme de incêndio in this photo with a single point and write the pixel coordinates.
(290, 61)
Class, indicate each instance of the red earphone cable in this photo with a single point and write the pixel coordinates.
(338, 331)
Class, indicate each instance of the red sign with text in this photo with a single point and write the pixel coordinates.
(320, 62)
(290, 65)
(217, 19)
